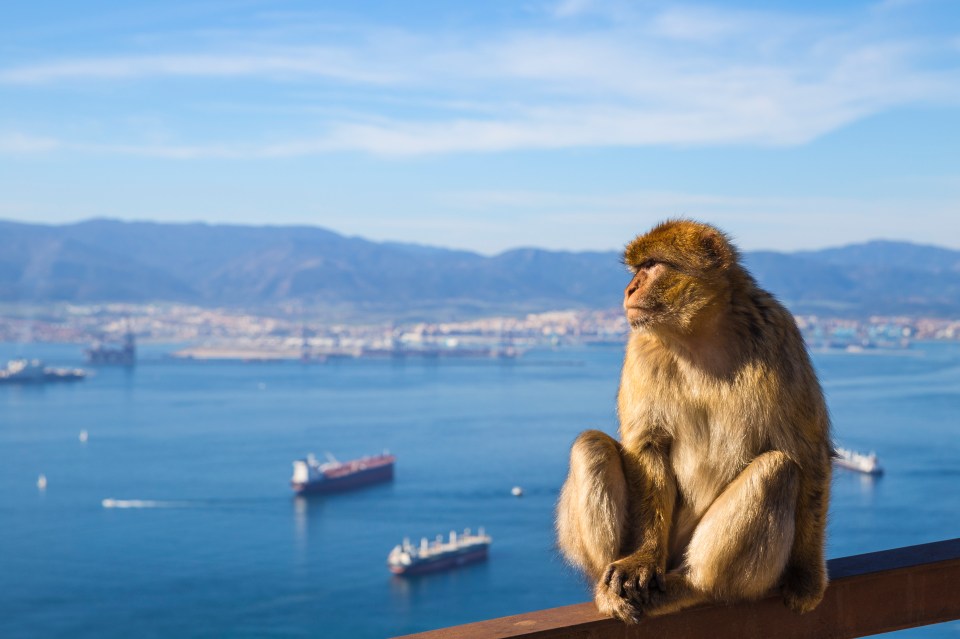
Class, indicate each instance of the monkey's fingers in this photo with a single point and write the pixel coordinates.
(605, 580)
(614, 579)
(646, 581)
(614, 605)
(635, 587)
(642, 592)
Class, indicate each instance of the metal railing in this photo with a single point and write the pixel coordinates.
(868, 594)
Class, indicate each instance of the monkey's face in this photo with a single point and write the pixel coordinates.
(643, 299)
(679, 272)
(664, 295)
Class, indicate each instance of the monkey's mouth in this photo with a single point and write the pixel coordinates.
(637, 316)
(646, 316)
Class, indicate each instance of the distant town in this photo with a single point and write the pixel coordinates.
(203, 333)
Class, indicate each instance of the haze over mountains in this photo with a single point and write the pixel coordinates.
(257, 267)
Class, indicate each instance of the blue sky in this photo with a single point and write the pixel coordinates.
(570, 124)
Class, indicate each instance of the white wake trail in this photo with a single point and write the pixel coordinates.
(142, 503)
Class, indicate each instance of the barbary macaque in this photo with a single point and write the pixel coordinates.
(718, 488)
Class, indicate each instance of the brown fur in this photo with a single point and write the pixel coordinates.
(718, 487)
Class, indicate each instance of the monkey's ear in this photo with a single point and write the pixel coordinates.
(717, 249)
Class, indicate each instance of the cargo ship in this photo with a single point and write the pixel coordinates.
(101, 353)
(852, 460)
(23, 371)
(407, 559)
(312, 476)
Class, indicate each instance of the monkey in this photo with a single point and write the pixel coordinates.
(718, 487)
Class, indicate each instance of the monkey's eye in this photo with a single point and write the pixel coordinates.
(643, 266)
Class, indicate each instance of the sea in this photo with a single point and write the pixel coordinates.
(211, 542)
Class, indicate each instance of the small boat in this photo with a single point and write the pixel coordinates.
(312, 476)
(852, 460)
(516, 491)
(32, 371)
(407, 559)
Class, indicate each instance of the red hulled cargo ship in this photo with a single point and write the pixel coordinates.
(311, 476)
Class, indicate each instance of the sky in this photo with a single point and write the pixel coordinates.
(563, 124)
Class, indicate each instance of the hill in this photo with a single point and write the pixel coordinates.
(255, 267)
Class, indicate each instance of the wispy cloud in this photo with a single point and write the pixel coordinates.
(307, 61)
(17, 143)
(687, 75)
(698, 24)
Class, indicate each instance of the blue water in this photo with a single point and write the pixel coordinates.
(225, 550)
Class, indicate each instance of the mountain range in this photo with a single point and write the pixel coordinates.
(308, 267)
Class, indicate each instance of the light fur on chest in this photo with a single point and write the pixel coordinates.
(708, 447)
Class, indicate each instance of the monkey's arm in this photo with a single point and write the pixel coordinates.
(652, 494)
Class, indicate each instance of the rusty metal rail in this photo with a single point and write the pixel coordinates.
(868, 594)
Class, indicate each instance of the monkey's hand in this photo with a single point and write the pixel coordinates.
(627, 584)
(803, 587)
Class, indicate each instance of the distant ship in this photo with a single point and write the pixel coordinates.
(311, 476)
(859, 462)
(407, 559)
(104, 354)
(32, 371)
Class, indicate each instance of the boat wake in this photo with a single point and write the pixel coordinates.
(143, 503)
(225, 504)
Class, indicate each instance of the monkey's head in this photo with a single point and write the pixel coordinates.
(681, 276)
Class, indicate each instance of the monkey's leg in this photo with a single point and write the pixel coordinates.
(592, 510)
(641, 567)
(741, 546)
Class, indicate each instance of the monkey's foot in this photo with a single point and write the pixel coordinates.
(803, 589)
(626, 587)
